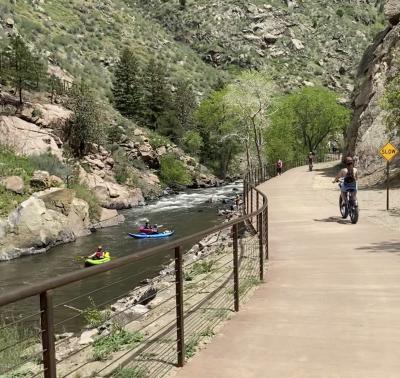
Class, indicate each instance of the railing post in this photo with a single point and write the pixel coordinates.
(47, 327)
(257, 205)
(180, 328)
(251, 203)
(261, 244)
(235, 267)
(266, 230)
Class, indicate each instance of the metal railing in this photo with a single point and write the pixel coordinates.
(177, 311)
(147, 328)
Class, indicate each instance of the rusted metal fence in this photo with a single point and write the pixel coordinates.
(148, 329)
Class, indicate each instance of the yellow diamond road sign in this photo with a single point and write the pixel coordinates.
(389, 151)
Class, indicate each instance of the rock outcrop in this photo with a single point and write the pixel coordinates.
(27, 138)
(46, 219)
(367, 132)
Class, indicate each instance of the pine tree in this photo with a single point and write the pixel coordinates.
(156, 96)
(128, 86)
(185, 105)
(23, 69)
(85, 126)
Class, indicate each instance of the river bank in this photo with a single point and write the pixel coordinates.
(145, 313)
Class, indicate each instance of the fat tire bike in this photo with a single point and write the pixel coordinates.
(348, 207)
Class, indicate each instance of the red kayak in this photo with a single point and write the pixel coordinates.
(148, 231)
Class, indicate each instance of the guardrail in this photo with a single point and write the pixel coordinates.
(164, 320)
(146, 329)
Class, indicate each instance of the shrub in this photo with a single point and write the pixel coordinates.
(37, 113)
(95, 317)
(156, 140)
(50, 163)
(173, 172)
(83, 192)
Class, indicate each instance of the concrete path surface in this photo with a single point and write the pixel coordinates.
(330, 306)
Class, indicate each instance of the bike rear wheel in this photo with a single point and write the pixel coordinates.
(343, 208)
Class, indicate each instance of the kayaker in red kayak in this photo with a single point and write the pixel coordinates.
(147, 229)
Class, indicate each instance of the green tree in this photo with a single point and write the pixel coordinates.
(156, 94)
(250, 98)
(391, 103)
(221, 133)
(22, 68)
(313, 114)
(185, 105)
(192, 142)
(173, 172)
(85, 125)
(128, 86)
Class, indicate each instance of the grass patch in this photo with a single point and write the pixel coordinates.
(135, 372)
(202, 267)
(15, 354)
(115, 341)
(13, 165)
(191, 346)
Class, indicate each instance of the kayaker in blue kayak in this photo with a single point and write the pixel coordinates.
(98, 255)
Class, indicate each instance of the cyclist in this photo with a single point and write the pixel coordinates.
(310, 160)
(350, 177)
(279, 166)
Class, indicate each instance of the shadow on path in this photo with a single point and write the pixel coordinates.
(333, 220)
(391, 246)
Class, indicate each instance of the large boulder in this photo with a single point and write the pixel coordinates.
(13, 184)
(392, 11)
(108, 218)
(33, 228)
(27, 138)
(110, 194)
(47, 218)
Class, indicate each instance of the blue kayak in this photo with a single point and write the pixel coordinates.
(142, 235)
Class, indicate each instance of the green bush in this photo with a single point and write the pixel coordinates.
(115, 341)
(50, 163)
(95, 317)
(83, 192)
(156, 140)
(192, 142)
(173, 172)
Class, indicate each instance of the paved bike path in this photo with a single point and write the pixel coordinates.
(330, 307)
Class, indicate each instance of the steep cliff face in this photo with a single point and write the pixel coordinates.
(380, 63)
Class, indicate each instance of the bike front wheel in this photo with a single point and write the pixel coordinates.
(343, 208)
(354, 214)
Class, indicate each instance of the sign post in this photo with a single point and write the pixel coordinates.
(388, 152)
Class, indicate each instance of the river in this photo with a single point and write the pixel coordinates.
(186, 213)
